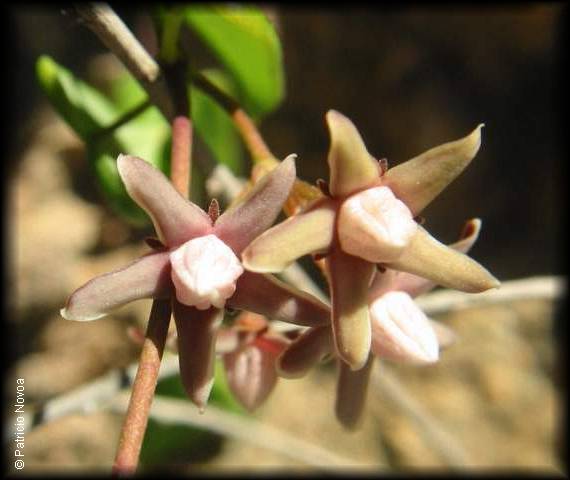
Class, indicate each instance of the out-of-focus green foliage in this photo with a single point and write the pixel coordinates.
(247, 45)
(169, 443)
(88, 111)
(85, 109)
(248, 49)
(214, 125)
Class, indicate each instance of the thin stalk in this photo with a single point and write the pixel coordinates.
(253, 140)
(181, 159)
(136, 419)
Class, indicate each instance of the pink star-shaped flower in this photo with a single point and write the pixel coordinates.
(197, 264)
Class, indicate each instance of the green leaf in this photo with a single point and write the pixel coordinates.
(88, 111)
(215, 126)
(125, 91)
(84, 108)
(245, 42)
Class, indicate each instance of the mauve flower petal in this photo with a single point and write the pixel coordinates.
(304, 233)
(350, 280)
(305, 351)
(351, 167)
(175, 219)
(426, 257)
(251, 375)
(418, 181)
(242, 223)
(147, 277)
(415, 285)
(197, 331)
(268, 296)
(351, 393)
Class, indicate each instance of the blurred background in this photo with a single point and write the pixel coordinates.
(410, 78)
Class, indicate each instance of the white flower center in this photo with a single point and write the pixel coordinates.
(204, 272)
(375, 225)
(401, 331)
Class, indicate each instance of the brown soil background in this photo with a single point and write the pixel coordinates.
(410, 79)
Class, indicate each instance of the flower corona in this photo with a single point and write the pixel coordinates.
(204, 272)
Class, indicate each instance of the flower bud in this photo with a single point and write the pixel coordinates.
(375, 225)
(401, 331)
(204, 272)
(251, 375)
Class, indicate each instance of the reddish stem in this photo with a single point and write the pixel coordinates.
(181, 162)
(251, 136)
(243, 122)
(136, 420)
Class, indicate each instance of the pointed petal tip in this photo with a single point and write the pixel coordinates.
(200, 395)
(64, 312)
(356, 363)
(291, 158)
(495, 283)
(355, 357)
(472, 228)
(126, 163)
(484, 284)
(333, 115)
(258, 209)
(473, 140)
(288, 164)
(419, 180)
(486, 281)
(123, 162)
(468, 236)
(351, 165)
(443, 265)
(472, 224)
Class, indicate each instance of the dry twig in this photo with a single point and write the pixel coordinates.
(545, 287)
